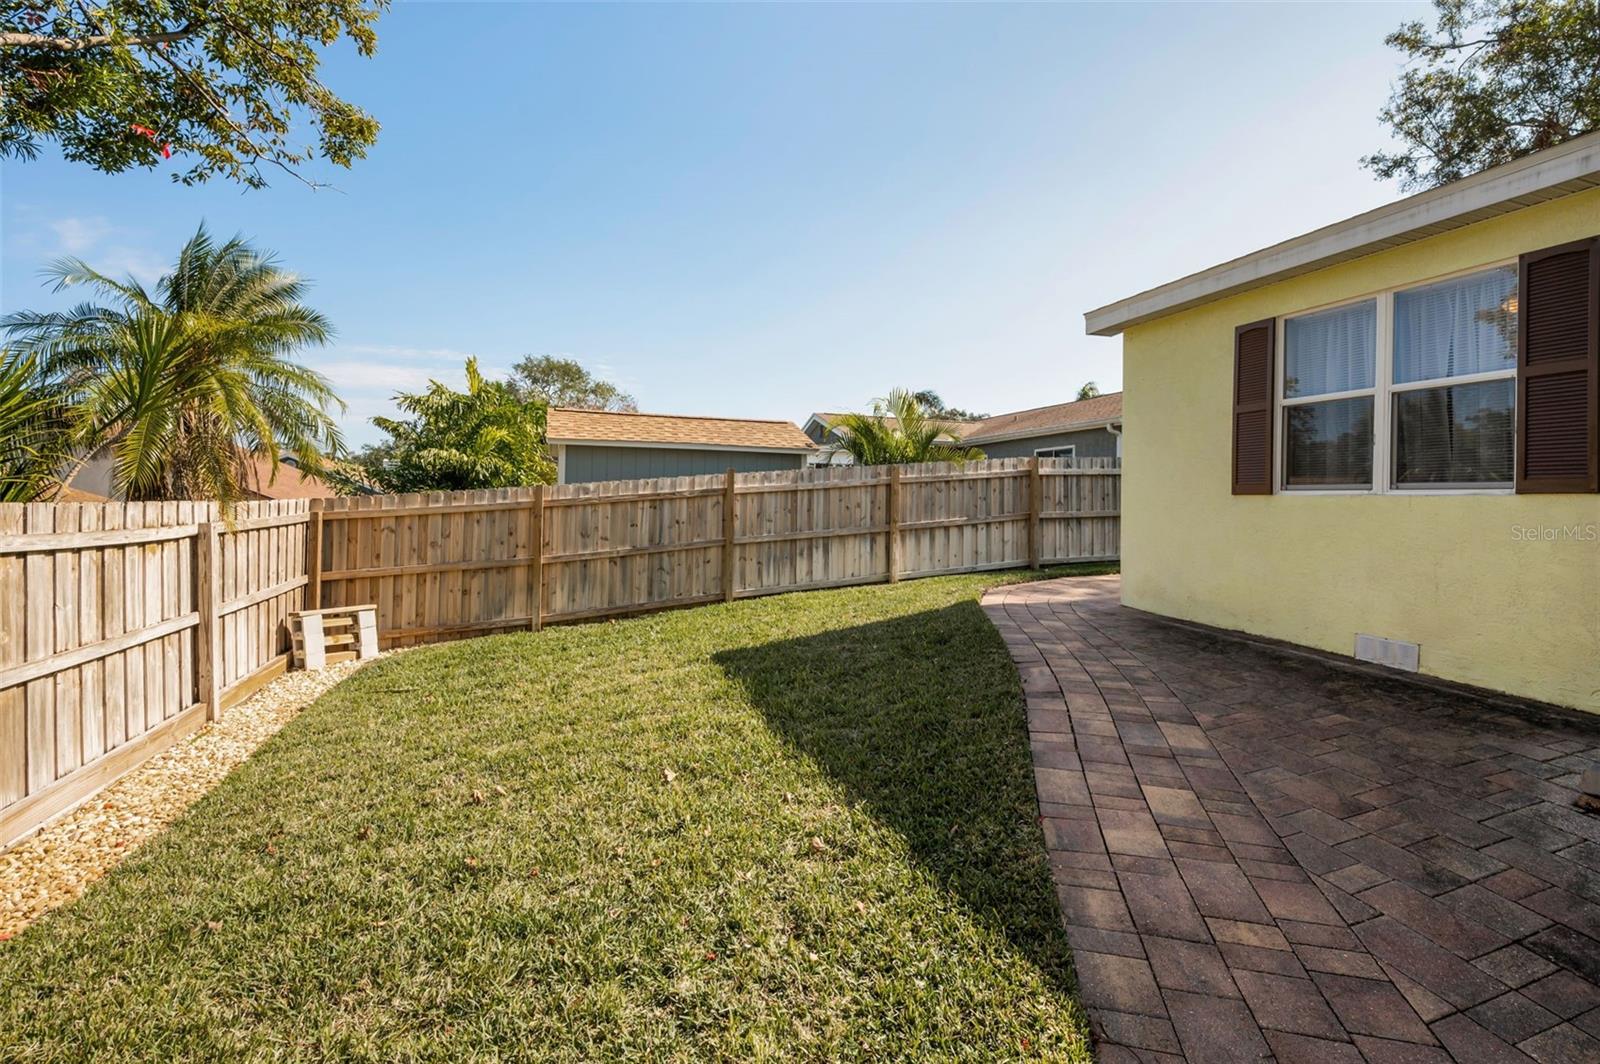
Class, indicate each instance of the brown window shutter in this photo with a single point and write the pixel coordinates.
(1558, 369)
(1253, 373)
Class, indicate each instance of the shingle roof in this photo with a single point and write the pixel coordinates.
(949, 424)
(289, 482)
(601, 426)
(1062, 417)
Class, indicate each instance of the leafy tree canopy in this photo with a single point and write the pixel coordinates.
(219, 84)
(1493, 81)
(915, 435)
(1090, 390)
(485, 437)
(564, 382)
(934, 405)
(184, 385)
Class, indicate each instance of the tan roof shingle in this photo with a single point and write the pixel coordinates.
(603, 426)
(1062, 417)
(953, 425)
(289, 482)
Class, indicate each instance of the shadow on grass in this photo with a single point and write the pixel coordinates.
(920, 718)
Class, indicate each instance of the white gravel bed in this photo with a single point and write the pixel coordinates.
(57, 863)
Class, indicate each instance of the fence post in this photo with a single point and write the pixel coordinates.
(206, 573)
(314, 557)
(1035, 506)
(894, 525)
(730, 527)
(536, 576)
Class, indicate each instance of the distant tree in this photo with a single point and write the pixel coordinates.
(564, 382)
(935, 407)
(915, 435)
(485, 437)
(183, 387)
(1494, 81)
(1090, 390)
(32, 434)
(227, 85)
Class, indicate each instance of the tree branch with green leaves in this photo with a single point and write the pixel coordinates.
(228, 86)
(1493, 81)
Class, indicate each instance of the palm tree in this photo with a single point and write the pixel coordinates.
(184, 386)
(31, 433)
(871, 439)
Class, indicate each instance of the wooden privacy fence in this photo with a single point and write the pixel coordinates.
(441, 566)
(113, 642)
(124, 626)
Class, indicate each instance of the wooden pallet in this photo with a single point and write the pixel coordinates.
(338, 633)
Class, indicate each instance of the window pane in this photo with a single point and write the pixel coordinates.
(1468, 325)
(1328, 444)
(1330, 351)
(1461, 434)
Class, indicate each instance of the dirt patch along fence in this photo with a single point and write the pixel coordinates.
(124, 626)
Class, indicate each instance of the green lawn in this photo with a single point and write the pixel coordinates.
(792, 827)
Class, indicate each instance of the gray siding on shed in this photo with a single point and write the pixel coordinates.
(588, 463)
(1091, 443)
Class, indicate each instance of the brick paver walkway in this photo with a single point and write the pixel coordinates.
(1260, 855)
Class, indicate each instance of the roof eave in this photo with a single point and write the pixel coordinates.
(678, 445)
(1054, 430)
(1559, 171)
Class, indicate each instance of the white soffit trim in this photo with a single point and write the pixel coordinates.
(1547, 175)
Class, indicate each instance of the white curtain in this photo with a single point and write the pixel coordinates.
(1468, 325)
(1331, 350)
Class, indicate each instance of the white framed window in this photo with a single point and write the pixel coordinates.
(1411, 389)
(1328, 391)
(1067, 451)
(1454, 382)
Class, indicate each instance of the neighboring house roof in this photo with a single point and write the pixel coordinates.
(673, 430)
(1047, 420)
(947, 424)
(288, 483)
(1560, 171)
(68, 493)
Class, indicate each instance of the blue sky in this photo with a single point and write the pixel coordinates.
(768, 210)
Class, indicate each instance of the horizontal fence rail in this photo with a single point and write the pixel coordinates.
(124, 626)
(114, 643)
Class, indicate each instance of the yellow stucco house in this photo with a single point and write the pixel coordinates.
(1382, 439)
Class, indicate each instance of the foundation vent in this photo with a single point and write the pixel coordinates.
(1395, 653)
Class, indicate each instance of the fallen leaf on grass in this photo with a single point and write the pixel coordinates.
(668, 775)
(817, 845)
(477, 798)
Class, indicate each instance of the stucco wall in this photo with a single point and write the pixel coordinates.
(1491, 603)
(1096, 443)
(632, 463)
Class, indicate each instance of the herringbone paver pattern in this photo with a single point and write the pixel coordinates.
(1262, 856)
